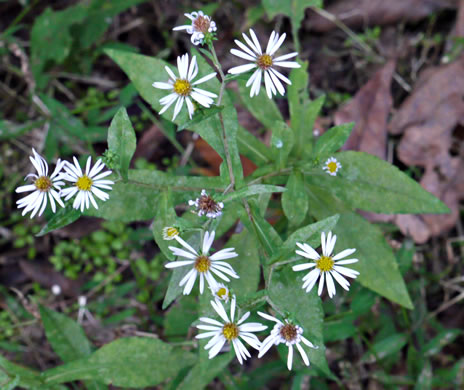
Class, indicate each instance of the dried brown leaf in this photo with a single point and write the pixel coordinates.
(363, 13)
(428, 119)
(369, 109)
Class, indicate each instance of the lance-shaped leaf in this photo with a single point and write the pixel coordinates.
(310, 234)
(295, 199)
(121, 140)
(62, 218)
(333, 139)
(369, 183)
(254, 189)
(126, 362)
(286, 293)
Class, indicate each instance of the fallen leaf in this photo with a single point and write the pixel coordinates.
(434, 86)
(214, 160)
(363, 13)
(427, 119)
(369, 109)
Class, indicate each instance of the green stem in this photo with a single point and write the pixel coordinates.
(274, 307)
(20, 17)
(221, 119)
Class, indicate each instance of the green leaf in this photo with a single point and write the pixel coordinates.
(371, 184)
(165, 217)
(333, 139)
(51, 38)
(304, 133)
(62, 218)
(126, 362)
(385, 347)
(204, 371)
(303, 112)
(128, 202)
(286, 293)
(180, 316)
(200, 116)
(298, 96)
(377, 265)
(252, 147)
(254, 189)
(295, 200)
(137, 200)
(11, 384)
(246, 264)
(267, 236)
(424, 380)
(444, 338)
(29, 379)
(13, 130)
(339, 329)
(282, 141)
(121, 140)
(230, 122)
(143, 71)
(67, 338)
(65, 335)
(294, 9)
(174, 290)
(310, 234)
(250, 301)
(261, 107)
(96, 23)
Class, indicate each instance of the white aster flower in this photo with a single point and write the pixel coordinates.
(87, 184)
(332, 166)
(201, 26)
(326, 266)
(265, 62)
(230, 331)
(206, 205)
(170, 233)
(182, 88)
(203, 264)
(221, 292)
(285, 333)
(42, 185)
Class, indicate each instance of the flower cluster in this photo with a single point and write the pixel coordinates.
(202, 28)
(206, 267)
(230, 328)
(84, 184)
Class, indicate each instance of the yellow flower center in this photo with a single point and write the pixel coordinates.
(332, 167)
(288, 332)
(230, 331)
(222, 292)
(325, 263)
(202, 264)
(172, 232)
(264, 61)
(182, 87)
(84, 183)
(43, 183)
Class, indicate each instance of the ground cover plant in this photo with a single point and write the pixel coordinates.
(195, 219)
